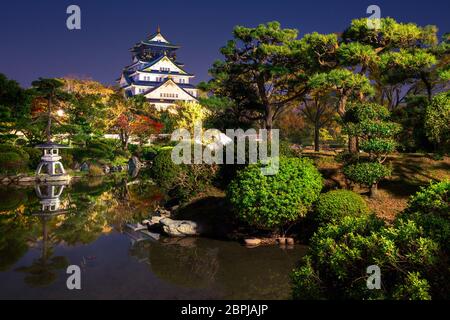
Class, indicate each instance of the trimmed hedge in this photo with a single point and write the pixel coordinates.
(334, 205)
(430, 209)
(272, 201)
(366, 173)
(335, 267)
(181, 180)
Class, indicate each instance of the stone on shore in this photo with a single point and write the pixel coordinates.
(180, 228)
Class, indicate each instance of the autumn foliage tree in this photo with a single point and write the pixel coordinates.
(128, 119)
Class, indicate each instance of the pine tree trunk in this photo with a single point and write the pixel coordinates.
(374, 190)
(353, 144)
(316, 138)
(49, 120)
(269, 122)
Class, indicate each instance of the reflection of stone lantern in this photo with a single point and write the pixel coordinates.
(49, 197)
(50, 162)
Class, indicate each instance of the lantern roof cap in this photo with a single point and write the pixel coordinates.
(51, 145)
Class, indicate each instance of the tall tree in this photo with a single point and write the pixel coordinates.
(256, 72)
(397, 57)
(370, 122)
(319, 110)
(347, 86)
(127, 117)
(14, 108)
(51, 91)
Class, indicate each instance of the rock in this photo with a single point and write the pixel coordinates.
(6, 180)
(134, 163)
(290, 241)
(180, 228)
(281, 241)
(84, 167)
(155, 219)
(76, 166)
(252, 242)
(163, 212)
(26, 179)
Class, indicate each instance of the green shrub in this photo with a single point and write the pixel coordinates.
(34, 155)
(12, 163)
(366, 173)
(271, 201)
(414, 288)
(337, 204)
(181, 180)
(95, 170)
(149, 153)
(16, 149)
(347, 158)
(430, 209)
(336, 265)
(434, 199)
(164, 170)
(285, 149)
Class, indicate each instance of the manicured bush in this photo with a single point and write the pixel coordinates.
(13, 159)
(369, 122)
(164, 170)
(34, 157)
(367, 173)
(437, 121)
(181, 180)
(272, 201)
(336, 204)
(347, 158)
(16, 149)
(430, 209)
(149, 153)
(285, 149)
(95, 170)
(97, 150)
(12, 163)
(336, 265)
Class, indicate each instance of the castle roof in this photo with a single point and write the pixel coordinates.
(179, 85)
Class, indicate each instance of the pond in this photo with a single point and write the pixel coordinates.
(45, 228)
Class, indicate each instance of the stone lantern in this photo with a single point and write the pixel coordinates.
(50, 161)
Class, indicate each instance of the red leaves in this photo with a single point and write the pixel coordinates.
(138, 124)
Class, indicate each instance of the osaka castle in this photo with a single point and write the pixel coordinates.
(156, 74)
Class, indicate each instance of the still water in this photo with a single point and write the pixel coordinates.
(44, 229)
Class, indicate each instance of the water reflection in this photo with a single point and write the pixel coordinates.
(233, 271)
(42, 271)
(44, 228)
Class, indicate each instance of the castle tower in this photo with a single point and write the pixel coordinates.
(156, 73)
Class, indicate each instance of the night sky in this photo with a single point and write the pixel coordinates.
(34, 40)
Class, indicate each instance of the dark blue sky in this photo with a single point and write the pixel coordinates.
(34, 40)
